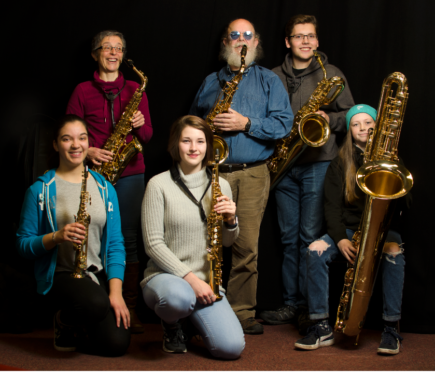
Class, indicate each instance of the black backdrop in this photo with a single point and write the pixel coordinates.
(176, 43)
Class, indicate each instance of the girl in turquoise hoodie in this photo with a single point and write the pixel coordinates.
(92, 315)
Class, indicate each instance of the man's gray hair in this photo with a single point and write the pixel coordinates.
(98, 38)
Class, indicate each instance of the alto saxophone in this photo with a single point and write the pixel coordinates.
(309, 129)
(223, 103)
(383, 179)
(214, 227)
(83, 218)
(123, 152)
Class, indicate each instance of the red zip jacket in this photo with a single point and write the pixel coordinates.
(89, 102)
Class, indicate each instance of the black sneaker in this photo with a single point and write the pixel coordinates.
(319, 335)
(283, 315)
(64, 336)
(174, 339)
(390, 341)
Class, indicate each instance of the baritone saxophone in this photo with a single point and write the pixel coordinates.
(215, 220)
(83, 217)
(123, 152)
(309, 129)
(383, 179)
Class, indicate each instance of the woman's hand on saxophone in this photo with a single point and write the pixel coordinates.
(138, 120)
(347, 250)
(118, 304)
(98, 156)
(73, 232)
(227, 207)
(203, 292)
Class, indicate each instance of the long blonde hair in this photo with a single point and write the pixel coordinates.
(348, 158)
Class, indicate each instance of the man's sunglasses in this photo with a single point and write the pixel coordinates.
(247, 35)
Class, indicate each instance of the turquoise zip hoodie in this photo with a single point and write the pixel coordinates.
(38, 218)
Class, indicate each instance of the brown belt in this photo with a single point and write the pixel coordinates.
(228, 168)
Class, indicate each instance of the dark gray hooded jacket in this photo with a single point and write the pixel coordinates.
(300, 88)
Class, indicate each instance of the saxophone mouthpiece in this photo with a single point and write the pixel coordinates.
(244, 50)
(129, 62)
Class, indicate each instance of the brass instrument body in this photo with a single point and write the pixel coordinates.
(309, 129)
(123, 152)
(223, 102)
(83, 217)
(215, 220)
(383, 179)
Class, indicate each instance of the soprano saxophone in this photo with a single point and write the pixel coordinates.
(214, 227)
(383, 179)
(123, 152)
(83, 217)
(309, 129)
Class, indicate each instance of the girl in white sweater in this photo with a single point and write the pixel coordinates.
(174, 225)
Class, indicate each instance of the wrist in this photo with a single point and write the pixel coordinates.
(231, 223)
(248, 125)
(54, 238)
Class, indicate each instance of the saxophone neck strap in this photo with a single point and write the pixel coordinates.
(175, 174)
(111, 98)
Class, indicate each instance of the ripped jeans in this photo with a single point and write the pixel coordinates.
(391, 272)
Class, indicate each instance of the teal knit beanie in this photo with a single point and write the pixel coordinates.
(359, 109)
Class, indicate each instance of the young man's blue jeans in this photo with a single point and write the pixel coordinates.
(392, 275)
(172, 298)
(299, 199)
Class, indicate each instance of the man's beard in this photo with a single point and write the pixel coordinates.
(232, 56)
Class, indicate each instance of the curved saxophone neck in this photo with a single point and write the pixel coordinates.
(319, 61)
(143, 78)
(242, 59)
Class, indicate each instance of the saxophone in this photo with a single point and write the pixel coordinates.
(83, 218)
(223, 103)
(383, 179)
(214, 227)
(123, 152)
(309, 129)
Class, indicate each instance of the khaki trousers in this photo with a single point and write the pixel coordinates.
(250, 188)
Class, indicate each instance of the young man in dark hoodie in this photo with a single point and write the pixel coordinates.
(299, 194)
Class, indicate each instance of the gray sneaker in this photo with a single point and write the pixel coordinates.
(318, 335)
(283, 315)
(64, 336)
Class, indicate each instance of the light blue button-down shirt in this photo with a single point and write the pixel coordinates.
(262, 98)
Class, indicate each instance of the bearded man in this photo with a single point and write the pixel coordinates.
(260, 114)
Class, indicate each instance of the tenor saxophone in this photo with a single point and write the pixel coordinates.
(383, 179)
(83, 217)
(309, 129)
(123, 152)
(214, 226)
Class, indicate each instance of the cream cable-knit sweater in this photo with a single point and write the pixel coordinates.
(175, 237)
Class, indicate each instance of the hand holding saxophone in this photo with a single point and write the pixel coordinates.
(203, 291)
(347, 250)
(227, 207)
(323, 114)
(230, 121)
(73, 232)
(138, 120)
(98, 156)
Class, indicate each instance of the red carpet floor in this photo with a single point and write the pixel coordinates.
(272, 351)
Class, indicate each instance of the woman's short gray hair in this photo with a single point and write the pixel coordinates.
(98, 38)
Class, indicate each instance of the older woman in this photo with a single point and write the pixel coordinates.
(101, 103)
(175, 234)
